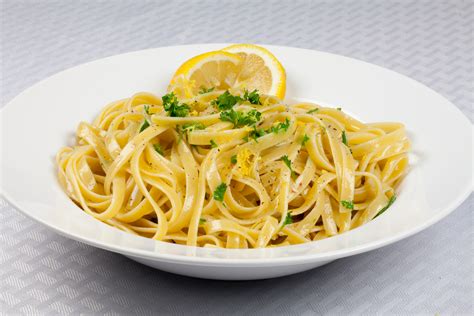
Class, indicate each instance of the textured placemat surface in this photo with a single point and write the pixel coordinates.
(431, 272)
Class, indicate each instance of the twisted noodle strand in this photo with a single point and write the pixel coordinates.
(160, 181)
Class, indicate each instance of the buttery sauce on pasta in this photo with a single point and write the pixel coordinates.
(233, 170)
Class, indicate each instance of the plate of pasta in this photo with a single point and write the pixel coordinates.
(234, 161)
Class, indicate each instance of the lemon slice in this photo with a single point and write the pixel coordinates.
(216, 69)
(236, 67)
(260, 70)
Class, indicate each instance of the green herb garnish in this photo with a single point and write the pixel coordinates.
(287, 162)
(206, 90)
(146, 107)
(253, 97)
(348, 204)
(180, 111)
(173, 107)
(313, 110)
(219, 192)
(230, 116)
(339, 109)
(158, 149)
(390, 202)
(288, 219)
(344, 138)
(233, 159)
(240, 119)
(226, 101)
(213, 144)
(304, 140)
(256, 133)
(202, 221)
(144, 126)
(189, 127)
(280, 127)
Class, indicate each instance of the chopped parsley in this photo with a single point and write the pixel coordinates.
(189, 127)
(253, 97)
(259, 132)
(226, 101)
(231, 116)
(233, 159)
(206, 90)
(147, 109)
(240, 119)
(313, 110)
(344, 138)
(280, 127)
(390, 202)
(304, 140)
(219, 192)
(256, 133)
(202, 221)
(339, 109)
(288, 219)
(158, 148)
(180, 111)
(144, 126)
(173, 107)
(213, 144)
(348, 204)
(287, 162)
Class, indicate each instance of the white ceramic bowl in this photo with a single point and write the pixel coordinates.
(44, 117)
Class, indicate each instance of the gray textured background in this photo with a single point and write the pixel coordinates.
(432, 272)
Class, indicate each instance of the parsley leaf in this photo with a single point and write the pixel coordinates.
(233, 159)
(202, 221)
(158, 148)
(144, 126)
(226, 101)
(240, 119)
(171, 105)
(344, 138)
(256, 133)
(250, 118)
(287, 162)
(189, 127)
(390, 202)
(253, 97)
(304, 140)
(348, 204)
(288, 219)
(339, 109)
(206, 90)
(230, 116)
(219, 192)
(313, 110)
(147, 109)
(213, 144)
(180, 111)
(169, 100)
(280, 127)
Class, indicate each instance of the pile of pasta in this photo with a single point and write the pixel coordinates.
(232, 169)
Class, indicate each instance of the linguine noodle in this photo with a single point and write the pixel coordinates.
(258, 174)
